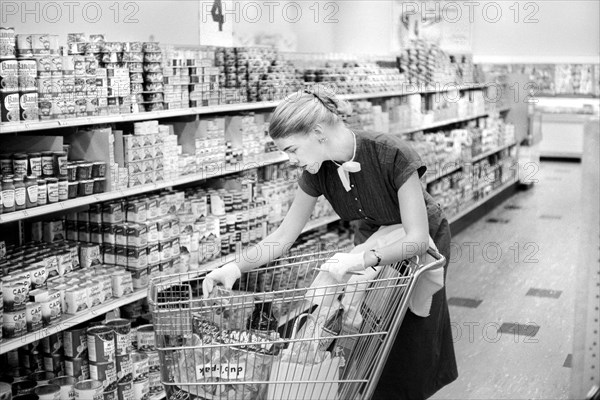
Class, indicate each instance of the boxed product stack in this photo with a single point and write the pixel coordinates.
(255, 139)
(210, 148)
(153, 77)
(151, 153)
(425, 64)
(115, 70)
(177, 77)
(203, 77)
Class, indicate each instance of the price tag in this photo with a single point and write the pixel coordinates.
(62, 205)
(25, 213)
(63, 122)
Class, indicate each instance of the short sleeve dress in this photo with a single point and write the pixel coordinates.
(422, 359)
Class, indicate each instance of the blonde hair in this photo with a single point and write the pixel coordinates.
(301, 111)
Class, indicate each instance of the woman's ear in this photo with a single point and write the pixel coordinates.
(319, 133)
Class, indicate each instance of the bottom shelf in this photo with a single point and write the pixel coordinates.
(158, 396)
(472, 207)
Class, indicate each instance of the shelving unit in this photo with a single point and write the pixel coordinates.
(20, 127)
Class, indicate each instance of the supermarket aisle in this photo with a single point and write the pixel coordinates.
(511, 290)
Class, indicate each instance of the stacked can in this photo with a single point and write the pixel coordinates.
(153, 94)
(204, 78)
(119, 78)
(146, 347)
(133, 59)
(176, 77)
(14, 73)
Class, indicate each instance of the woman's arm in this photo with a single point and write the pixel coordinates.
(275, 244)
(415, 223)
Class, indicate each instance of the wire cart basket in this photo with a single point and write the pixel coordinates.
(285, 331)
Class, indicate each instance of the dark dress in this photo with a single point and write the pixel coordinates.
(422, 358)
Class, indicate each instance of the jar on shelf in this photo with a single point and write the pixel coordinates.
(6, 164)
(48, 163)
(63, 188)
(20, 195)
(42, 192)
(52, 185)
(60, 162)
(35, 164)
(8, 195)
(31, 191)
(20, 164)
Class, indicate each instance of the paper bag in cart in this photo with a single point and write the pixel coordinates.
(303, 372)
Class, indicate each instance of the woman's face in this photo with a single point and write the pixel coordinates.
(305, 151)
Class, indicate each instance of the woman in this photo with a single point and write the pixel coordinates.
(373, 179)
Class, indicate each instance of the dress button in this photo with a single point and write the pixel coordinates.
(356, 198)
(360, 209)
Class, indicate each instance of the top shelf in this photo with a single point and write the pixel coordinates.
(30, 126)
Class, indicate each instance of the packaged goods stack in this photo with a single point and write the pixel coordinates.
(153, 77)
(425, 64)
(115, 356)
(39, 178)
(210, 149)
(176, 73)
(204, 77)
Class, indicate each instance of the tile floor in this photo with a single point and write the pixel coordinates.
(511, 289)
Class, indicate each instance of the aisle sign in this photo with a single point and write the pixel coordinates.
(216, 22)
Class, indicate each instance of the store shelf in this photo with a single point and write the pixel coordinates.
(22, 126)
(68, 321)
(437, 124)
(317, 223)
(472, 207)
(277, 157)
(490, 152)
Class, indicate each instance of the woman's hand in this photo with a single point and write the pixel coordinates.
(341, 264)
(225, 275)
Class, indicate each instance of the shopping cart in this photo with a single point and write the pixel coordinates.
(284, 332)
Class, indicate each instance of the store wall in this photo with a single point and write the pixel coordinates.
(557, 31)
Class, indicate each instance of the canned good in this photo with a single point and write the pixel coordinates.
(53, 344)
(42, 377)
(101, 344)
(7, 50)
(14, 294)
(75, 342)
(28, 106)
(88, 390)
(125, 388)
(9, 75)
(54, 363)
(104, 372)
(52, 307)
(122, 328)
(27, 75)
(9, 106)
(66, 386)
(14, 323)
(33, 316)
(140, 365)
(145, 338)
(48, 392)
(110, 392)
(24, 45)
(141, 387)
(78, 368)
(124, 365)
(23, 387)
